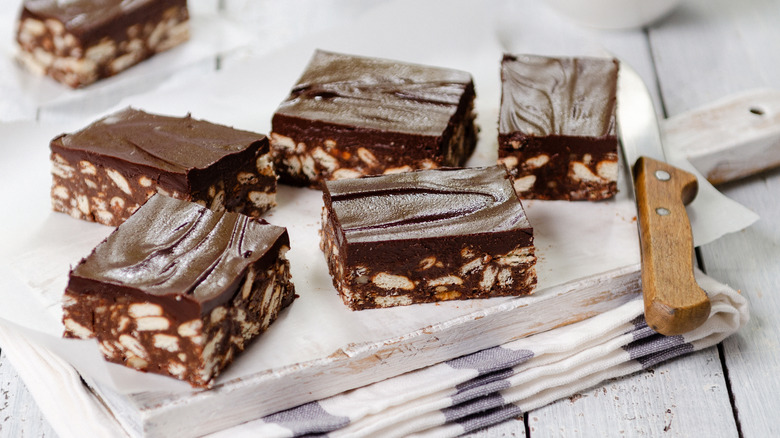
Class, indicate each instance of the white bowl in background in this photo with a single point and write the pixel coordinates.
(614, 14)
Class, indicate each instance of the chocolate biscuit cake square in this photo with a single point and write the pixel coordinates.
(104, 172)
(350, 116)
(78, 42)
(427, 236)
(557, 126)
(179, 289)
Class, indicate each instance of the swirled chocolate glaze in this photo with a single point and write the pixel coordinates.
(91, 20)
(172, 147)
(558, 96)
(428, 204)
(173, 144)
(376, 94)
(178, 254)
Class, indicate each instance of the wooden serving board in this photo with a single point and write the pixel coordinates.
(319, 348)
(241, 400)
(587, 264)
(423, 335)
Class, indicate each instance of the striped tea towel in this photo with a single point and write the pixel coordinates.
(443, 400)
(493, 385)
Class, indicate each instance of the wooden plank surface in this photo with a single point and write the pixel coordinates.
(708, 49)
(681, 398)
(638, 404)
(19, 414)
(705, 50)
(711, 48)
(751, 261)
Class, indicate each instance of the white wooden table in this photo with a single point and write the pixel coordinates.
(705, 50)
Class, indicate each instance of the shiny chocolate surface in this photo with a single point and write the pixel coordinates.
(91, 20)
(376, 94)
(544, 96)
(178, 254)
(172, 144)
(426, 204)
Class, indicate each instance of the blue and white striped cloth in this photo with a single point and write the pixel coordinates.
(443, 400)
(490, 386)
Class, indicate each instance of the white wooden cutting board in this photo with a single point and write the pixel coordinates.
(237, 401)
(388, 342)
(587, 263)
(731, 138)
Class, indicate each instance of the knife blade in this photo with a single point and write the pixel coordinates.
(674, 302)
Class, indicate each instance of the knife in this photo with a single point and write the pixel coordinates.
(674, 302)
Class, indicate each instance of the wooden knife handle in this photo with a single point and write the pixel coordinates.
(674, 302)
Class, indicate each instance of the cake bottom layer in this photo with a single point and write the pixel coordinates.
(472, 272)
(561, 168)
(310, 162)
(144, 336)
(89, 191)
(48, 49)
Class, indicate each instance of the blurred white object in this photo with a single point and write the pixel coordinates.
(614, 14)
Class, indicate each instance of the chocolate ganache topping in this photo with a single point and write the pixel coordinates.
(558, 96)
(177, 251)
(173, 144)
(376, 94)
(426, 204)
(91, 20)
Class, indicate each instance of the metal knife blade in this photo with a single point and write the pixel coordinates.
(674, 302)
